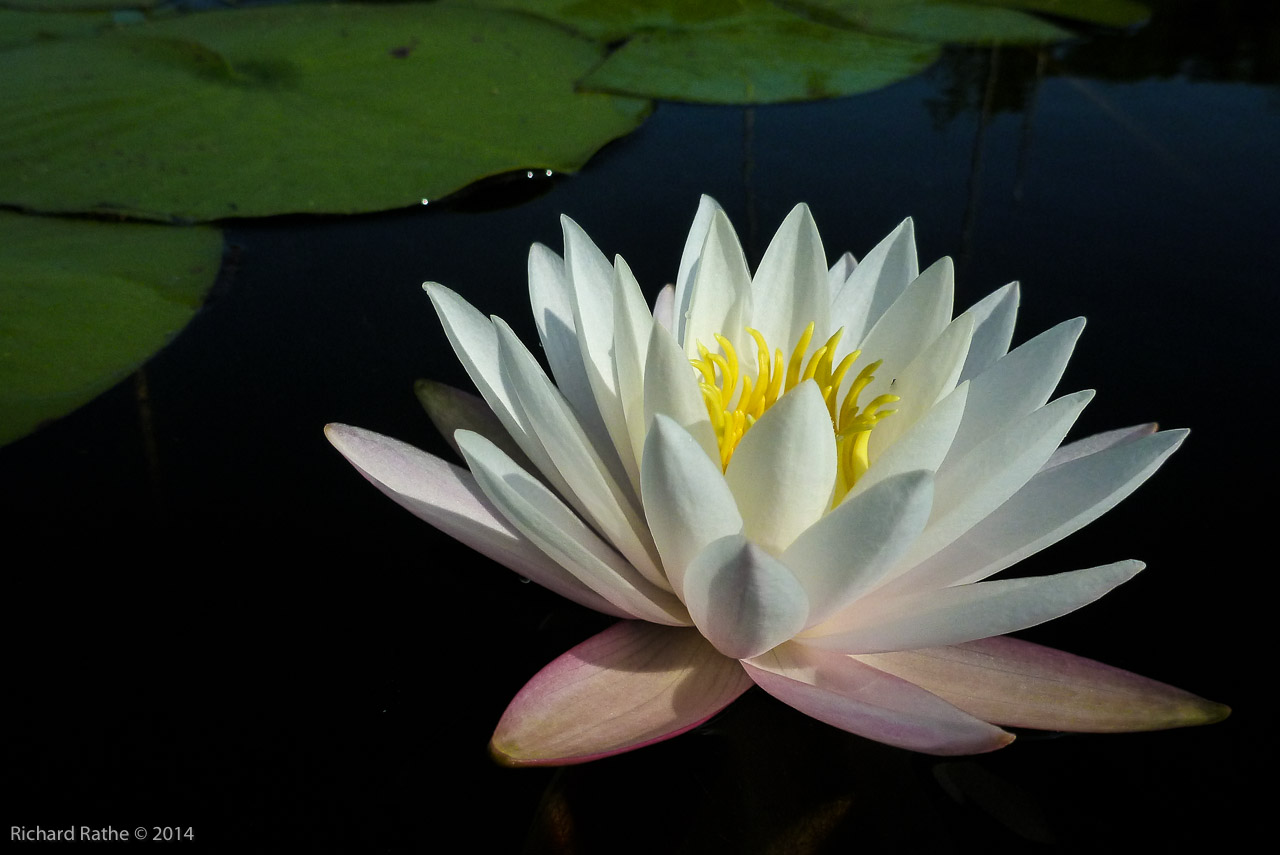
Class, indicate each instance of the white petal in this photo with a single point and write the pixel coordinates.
(993, 316)
(689, 263)
(1053, 504)
(789, 290)
(908, 326)
(664, 307)
(686, 500)
(878, 624)
(853, 696)
(671, 389)
(542, 518)
(721, 298)
(847, 552)
(596, 493)
(923, 446)
(783, 471)
(1018, 383)
(1098, 442)
(969, 489)
(591, 280)
(742, 599)
(452, 410)
(448, 497)
(632, 327)
(552, 302)
(839, 272)
(475, 341)
(875, 283)
(930, 377)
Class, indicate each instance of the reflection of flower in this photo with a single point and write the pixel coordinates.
(811, 508)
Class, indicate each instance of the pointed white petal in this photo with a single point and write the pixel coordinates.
(783, 471)
(969, 489)
(632, 327)
(908, 326)
(993, 317)
(839, 272)
(552, 302)
(1018, 383)
(1017, 683)
(452, 410)
(448, 497)
(596, 493)
(686, 500)
(847, 552)
(742, 599)
(475, 342)
(875, 283)
(1098, 442)
(721, 298)
(632, 685)
(671, 389)
(848, 694)
(930, 377)
(682, 296)
(789, 290)
(592, 284)
(664, 308)
(923, 446)
(546, 521)
(877, 624)
(1053, 504)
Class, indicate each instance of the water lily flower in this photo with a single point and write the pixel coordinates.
(801, 480)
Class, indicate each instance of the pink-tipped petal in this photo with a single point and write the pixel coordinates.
(1020, 684)
(632, 685)
(851, 695)
(448, 497)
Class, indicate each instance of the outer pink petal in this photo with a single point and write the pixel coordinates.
(1020, 684)
(632, 685)
(846, 693)
(448, 497)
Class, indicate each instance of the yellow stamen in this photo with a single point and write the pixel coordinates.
(735, 400)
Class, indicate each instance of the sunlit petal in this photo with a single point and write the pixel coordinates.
(856, 697)
(447, 496)
(1020, 684)
(742, 599)
(632, 685)
(880, 623)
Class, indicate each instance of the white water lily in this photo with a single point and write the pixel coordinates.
(800, 480)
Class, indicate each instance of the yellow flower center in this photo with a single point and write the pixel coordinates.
(735, 400)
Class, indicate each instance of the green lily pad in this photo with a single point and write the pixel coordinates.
(82, 304)
(1111, 13)
(792, 61)
(77, 5)
(300, 108)
(940, 21)
(614, 20)
(19, 27)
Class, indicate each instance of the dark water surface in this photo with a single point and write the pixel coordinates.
(216, 624)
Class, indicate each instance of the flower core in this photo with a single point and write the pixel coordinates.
(735, 400)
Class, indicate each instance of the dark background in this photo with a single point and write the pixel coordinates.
(213, 622)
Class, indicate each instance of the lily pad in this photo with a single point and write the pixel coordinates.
(300, 108)
(614, 20)
(1111, 13)
(940, 21)
(792, 61)
(20, 27)
(82, 304)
